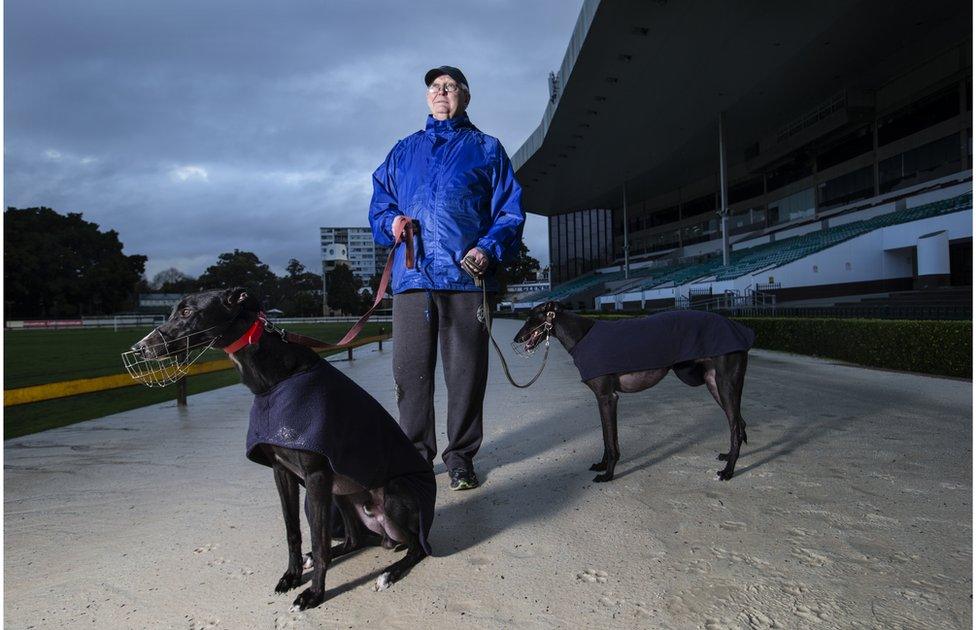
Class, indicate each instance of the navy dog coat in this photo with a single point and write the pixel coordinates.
(324, 411)
(669, 339)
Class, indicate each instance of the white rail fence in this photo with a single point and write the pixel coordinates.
(149, 321)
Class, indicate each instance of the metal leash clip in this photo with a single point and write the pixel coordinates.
(271, 328)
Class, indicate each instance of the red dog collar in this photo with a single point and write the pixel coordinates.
(251, 336)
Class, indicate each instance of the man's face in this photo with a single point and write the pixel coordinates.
(444, 105)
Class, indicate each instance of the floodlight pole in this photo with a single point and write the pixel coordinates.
(626, 237)
(723, 184)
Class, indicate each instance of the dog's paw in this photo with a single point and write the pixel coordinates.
(288, 581)
(724, 475)
(308, 564)
(308, 598)
(605, 477)
(383, 582)
(599, 466)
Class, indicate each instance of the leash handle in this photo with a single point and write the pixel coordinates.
(403, 230)
(405, 235)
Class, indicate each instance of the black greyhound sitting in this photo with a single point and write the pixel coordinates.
(333, 438)
(627, 357)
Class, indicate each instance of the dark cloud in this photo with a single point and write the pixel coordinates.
(193, 128)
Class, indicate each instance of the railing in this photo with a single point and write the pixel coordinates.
(130, 321)
(62, 389)
(341, 319)
(936, 312)
(728, 300)
(114, 322)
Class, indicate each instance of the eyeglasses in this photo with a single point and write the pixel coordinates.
(450, 88)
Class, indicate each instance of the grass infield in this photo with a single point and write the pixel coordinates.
(36, 357)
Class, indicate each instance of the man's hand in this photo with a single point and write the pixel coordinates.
(398, 223)
(475, 262)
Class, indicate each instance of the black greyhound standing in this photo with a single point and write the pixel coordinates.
(722, 372)
(383, 488)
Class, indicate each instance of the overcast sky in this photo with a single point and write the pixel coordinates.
(194, 128)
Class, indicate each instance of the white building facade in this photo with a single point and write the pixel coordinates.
(365, 258)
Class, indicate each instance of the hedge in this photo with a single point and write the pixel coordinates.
(940, 347)
(932, 347)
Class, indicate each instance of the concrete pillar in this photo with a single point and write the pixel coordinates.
(933, 260)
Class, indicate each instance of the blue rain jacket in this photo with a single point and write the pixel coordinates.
(458, 184)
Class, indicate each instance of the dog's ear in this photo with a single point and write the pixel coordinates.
(239, 297)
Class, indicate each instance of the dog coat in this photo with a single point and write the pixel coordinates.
(324, 411)
(669, 339)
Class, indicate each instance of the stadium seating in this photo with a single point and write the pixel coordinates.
(753, 259)
(778, 253)
(789, 250)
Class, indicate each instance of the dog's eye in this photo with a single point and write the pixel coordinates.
(186, 312)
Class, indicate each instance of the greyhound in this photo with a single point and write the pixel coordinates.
(723, 374)
(391, 507)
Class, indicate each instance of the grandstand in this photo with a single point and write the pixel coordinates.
(745, 262)
(848, 172)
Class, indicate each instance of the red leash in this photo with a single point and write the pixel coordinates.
(403, 229)
(403, 235)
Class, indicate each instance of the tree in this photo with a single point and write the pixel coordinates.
(302, 305)
(301, 291)
(301, 280)
(57, 265)
(523, 268)
(366, 298)
(173, 280)
(343, 290)
(242, 269)
(374, 283)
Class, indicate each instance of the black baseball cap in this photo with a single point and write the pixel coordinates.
(450, 71)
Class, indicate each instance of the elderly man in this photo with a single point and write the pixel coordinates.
(457, 186)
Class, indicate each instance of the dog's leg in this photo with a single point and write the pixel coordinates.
(727, 372)
(607, 400)
(709, 375)
(401, 567)
(403, 512)
(738, 380)
(356, 536)
(287, 484)
(318, 485)
(600, 386)
(602, 464)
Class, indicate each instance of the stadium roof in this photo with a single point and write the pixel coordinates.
(643, 84)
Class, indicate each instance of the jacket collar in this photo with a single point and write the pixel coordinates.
(449, 126)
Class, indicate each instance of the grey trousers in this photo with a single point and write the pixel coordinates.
(420, 319)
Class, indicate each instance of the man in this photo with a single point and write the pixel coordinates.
(457, 186)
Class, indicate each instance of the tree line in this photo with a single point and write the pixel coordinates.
(59, 265)
(298, 293)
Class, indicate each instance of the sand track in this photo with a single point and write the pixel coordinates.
(850, 508)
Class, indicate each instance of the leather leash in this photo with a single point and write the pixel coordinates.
(486, 311)
(404, 234)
